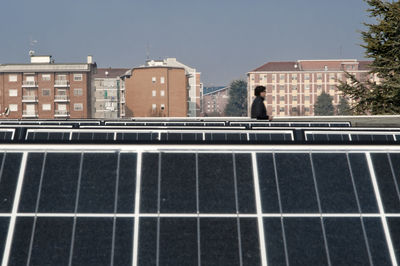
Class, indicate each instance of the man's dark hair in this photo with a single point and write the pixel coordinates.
(258, 90)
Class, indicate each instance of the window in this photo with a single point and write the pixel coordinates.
(307, 77)
(78, 106)
(294, 98)
(307, 98)
(332, 77)
(319, 76)
(282, 77)
(307, 109)
(162, 80)
(78, 77)
(294, 88)
(46, 92)
(273, 77)
(12, 78)
(46, 107)
(61, 77)
(46, 77)
(307, 87)
(319, 88)
(282, 98)
(282, 109)
(13, 92)
(294, 77)
(294, 109)
(153, 79)
(154, 93)
(162, 107)
(162, 93)
(13, 107)
(78, 92)
(154, 106)
(282, 87)
(339, 76)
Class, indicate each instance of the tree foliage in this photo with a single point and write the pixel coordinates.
(382, 44)
(343, 108)
(237, 103)
(323, 105)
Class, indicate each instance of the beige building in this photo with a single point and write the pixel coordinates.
(293, 87)
(108, 93)
(43, 89)
(158, 91)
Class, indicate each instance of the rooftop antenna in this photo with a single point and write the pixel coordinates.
(147, 51)
(32, 43)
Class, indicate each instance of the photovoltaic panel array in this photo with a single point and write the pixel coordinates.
(141, 205)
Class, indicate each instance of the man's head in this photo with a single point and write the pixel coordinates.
(260, 91)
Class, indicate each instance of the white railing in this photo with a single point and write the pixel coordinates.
(61, 98)
(29, 98)
(26, 83)
(61, 112)
(61, 83)
(29, 113)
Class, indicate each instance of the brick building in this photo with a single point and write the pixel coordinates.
(194, 85)
(159, 91)
(214, 101)
(43, 89)
(108, 93)
(293, 87)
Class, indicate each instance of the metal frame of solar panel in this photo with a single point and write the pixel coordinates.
(199, 205)
(200, 135)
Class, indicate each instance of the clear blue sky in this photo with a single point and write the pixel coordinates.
(222, 39)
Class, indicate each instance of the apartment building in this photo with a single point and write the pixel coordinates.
(214, 101)
(46, 90)
(108, 93)
(159, 91)
(293, 87)
(194, 85)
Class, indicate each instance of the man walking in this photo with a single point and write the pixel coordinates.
(258, 109)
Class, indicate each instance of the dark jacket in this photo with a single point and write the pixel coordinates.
(258, 109)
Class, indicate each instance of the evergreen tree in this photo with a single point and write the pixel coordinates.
(343, 108)
(237, 103)
(323, 105)
(382, 44)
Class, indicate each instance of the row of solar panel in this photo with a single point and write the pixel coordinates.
(247, 124)
(199, 241)
(208, 136)
(204, 183)
(186, 187)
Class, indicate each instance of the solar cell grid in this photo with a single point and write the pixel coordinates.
(201, 208)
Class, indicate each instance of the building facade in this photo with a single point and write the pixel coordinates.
(156, 91)
(108, 93)
(293, 87)
(214, 101)
(194, 84)
(46, 90)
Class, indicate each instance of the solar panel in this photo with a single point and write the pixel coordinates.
(217, 205)
(254, 124)
(111, 135)
(362, 135)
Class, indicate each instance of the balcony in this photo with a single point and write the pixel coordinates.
(29, 84)
(29, 114)
(29, 99)
(61, 113)
(61, 98)
(61, 83)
